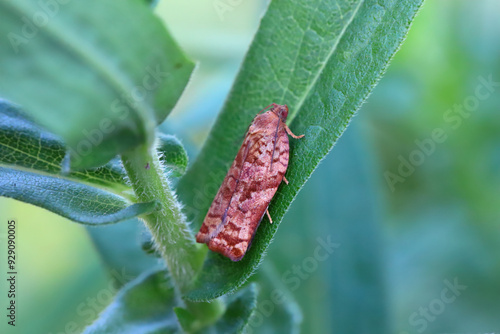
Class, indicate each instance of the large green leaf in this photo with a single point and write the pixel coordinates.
(339, 206)
(34, 157)
(119, 247)
(148, 305)
(100, 74)
(239, 309)
(352, 217)
(76, 201)
(145, 305)
(322, 58)
(25, 145)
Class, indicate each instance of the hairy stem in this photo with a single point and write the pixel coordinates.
(167, 225)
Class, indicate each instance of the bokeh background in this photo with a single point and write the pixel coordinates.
(399, 247)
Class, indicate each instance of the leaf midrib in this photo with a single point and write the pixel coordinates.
(121, 194)
(51, 164)
(298, 106)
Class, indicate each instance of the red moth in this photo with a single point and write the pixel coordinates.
(249, 186)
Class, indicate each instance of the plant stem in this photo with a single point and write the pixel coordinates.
(168, 225)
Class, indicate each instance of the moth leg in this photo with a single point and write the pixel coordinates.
(269, 216)
(284, 179)
(291, 133)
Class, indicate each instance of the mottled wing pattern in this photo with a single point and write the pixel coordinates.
(244, 196)
(220, 205)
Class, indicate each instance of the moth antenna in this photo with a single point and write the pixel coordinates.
(271, 105)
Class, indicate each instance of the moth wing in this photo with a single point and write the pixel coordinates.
(261, 175)
(217, 213)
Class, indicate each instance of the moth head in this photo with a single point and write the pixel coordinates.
(281, 111)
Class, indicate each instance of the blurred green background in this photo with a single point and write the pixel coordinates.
(399, 248)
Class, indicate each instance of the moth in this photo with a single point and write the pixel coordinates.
(250, 184)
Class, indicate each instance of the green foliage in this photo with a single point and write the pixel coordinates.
(278, 311)
(148, 304)
(145, 303)
(340, 203)
(238, 312)
(239, 308)
(350, 44)
(172, 154)
(110, 86)
(76, 201)
(26, 146)
(119, 247)
(33, 173)
(84, 80)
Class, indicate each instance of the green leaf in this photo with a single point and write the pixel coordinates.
(74, 69)
(148, 305)
(358, 263)
(172, 154)
(120, 250)
(239, 310)
(24, 144)
(322, 58)
(142, 306)
(76, 201)
(277, 310)
(187, 320)
(26, 148)
(349, 220)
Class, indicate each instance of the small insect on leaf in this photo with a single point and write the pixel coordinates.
(249, 186)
